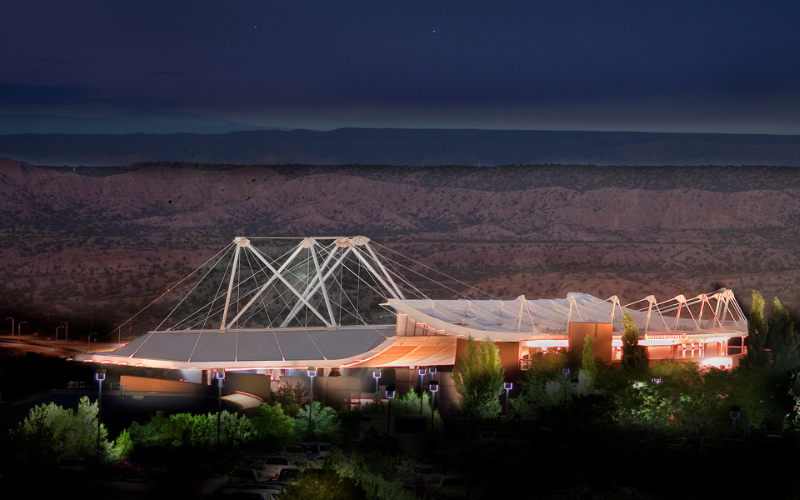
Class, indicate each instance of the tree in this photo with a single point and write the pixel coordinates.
(272, 426)
(478, 379)
(783, 339)
(542, 388)
(588, 372)
(123, 445)
(325, 425)
(634, 357)
(323, 484)
(757, 333)
(410, 404)
(51, 432)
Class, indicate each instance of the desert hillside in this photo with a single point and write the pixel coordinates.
(93, 245)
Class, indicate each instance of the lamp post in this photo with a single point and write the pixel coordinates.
(434, 388)
(100, 376)
(220, 376)
(89, 339)
(19, 329)
(119, 333)
(507, 386)
(312, 372)
(736, 414)
(377, 376)
(389, 396)
(66, 330)
(565, 371)
(421, 373)
(57, 329)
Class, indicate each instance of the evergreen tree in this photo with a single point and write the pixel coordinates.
(757, 333)
(324, 421)
(478, 379)
(783, 339)
(588, 373)
(634, 357)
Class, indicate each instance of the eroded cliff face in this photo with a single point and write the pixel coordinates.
(103, 242)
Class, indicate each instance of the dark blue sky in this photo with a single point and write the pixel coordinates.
(687, 66)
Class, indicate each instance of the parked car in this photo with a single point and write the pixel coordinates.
(124, 469)
(274, 465)
(447, 487)
(296, 452)
(488, 439)
(246, 476)
(245, 494)
(413, 482)
(426, 471)
(316, 449)
(287, 476)
(72, 469)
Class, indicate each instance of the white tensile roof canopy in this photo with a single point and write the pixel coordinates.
(523, 319)
(333, 301)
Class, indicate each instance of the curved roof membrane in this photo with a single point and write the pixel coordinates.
(522, 319)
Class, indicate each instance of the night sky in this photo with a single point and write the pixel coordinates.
(644, 65)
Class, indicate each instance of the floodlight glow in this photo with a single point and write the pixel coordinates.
(721, 362)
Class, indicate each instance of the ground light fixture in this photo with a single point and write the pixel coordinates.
(377, 376)
(390, 397)
(507, 386)
(100, 376)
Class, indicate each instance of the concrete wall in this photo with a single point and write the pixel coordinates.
(143, 384)
(601, 334)
(258, 385)
(333, 391)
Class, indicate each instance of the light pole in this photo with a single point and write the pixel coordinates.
(421, 373)
(57, 329)
(66, 330)
(19, 329)
(220, 376)
(507, 386)
(565, 371)
(389, 396)
(312, 372)
(434, 388)
(736, 414)
(119, 333)
(89, 339)
(377, 376)
(100, 376)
